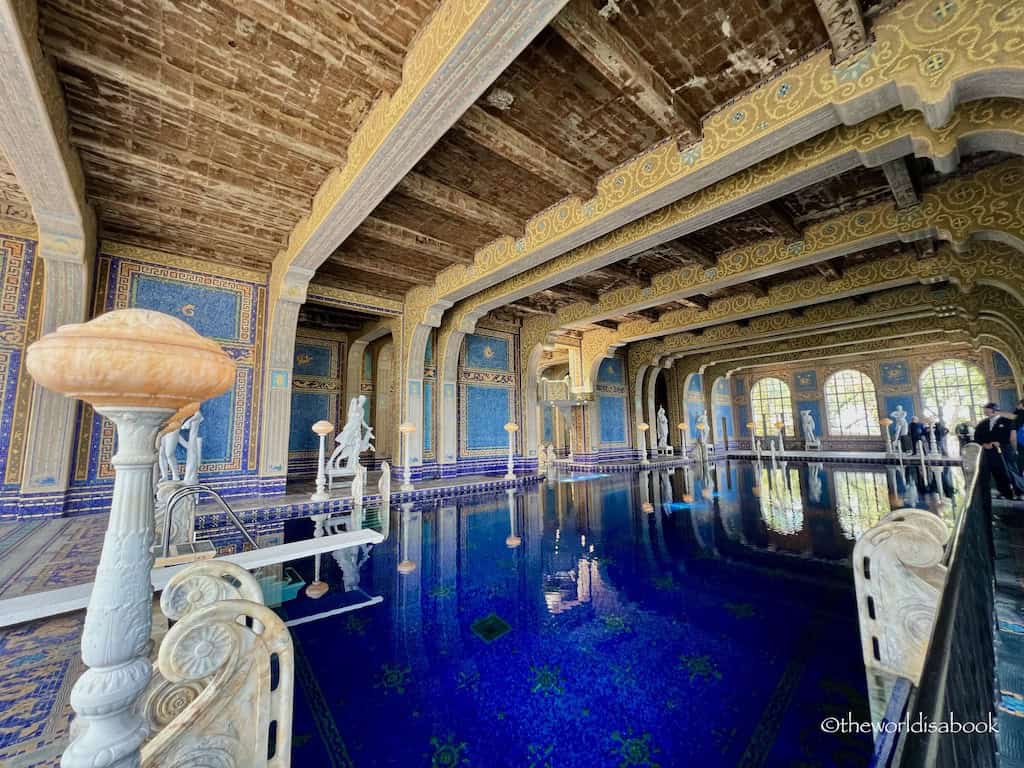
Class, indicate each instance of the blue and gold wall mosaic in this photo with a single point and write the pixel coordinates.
(317, 393)
(488, 389)
(225, 303)
(612, 405)
(20, 294)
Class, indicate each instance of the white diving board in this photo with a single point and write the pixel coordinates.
(39, 605)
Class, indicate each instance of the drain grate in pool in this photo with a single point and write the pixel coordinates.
(490, 627)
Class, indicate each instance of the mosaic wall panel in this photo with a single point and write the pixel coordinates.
(612, 403)
(611, 410)
(547, 432)
(722, 409)
(221, 302)
(19, 318)
(317, 391)
(488, 396)
(429, 378)
(805, 381)
(694, 403)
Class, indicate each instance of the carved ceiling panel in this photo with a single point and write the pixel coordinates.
(205, 128)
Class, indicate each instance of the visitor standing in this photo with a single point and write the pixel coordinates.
(993, 432)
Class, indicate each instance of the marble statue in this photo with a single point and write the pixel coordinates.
(702, 427)
(350, 560)
(551, 454)
(900, 426)
(807, 422)
(193, 448)
(662, 428)
(355, 437)
(193, 445)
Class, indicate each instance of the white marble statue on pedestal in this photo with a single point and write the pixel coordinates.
(354, 438)
(552, 456)
(807, 423)
(900, 427)
(662, 428)
(702, 428)
(193, 445)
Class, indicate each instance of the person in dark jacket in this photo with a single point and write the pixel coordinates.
(916, 435)
(993, 432)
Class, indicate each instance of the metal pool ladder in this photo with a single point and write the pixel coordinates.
(194, 490)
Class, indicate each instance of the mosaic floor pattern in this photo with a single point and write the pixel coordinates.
(39, 555)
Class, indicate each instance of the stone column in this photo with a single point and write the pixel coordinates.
(275, 418)
(137, 368)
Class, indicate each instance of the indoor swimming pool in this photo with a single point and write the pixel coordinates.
(664, 618)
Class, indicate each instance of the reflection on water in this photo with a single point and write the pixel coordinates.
(695, 616)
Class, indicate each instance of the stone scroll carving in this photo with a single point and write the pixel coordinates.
(210, 697)
(899, 578)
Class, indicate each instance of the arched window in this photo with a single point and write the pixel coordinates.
(851, 404)
(770, 401)
(955, 390)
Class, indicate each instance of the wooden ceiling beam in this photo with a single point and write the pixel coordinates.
(779, 220)
(757, 289)
(385, 232)
(651, 313)
(691, 253)
(529, 309)
(627, 275)
(596, 40)
(902, 185)
(505, 141)
(415, 275)
(459, 205)
(576, 292)
(163, 91)
(845, 25)
(699, 301)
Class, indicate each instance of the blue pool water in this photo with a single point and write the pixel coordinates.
(650, 620)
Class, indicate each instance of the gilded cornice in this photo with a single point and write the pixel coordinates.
(957, 210)
(338, 297)
(150, 256)
(922, 51)
(16, 228)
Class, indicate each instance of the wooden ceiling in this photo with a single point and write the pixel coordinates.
(205, 127)
(14, 205)
(605, 81)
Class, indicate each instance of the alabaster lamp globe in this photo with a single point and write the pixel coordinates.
(131, 358)
(513, 541)
(323, 428)
(643, 426)
(682, 426)
(511, 427)
(779, 425)
(406, 567)
(751, 425)
(886, 422)
(647, 507)
(407, 428)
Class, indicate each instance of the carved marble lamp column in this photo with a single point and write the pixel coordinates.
(780, 425)
(755, 445)
(643, 426)
(323, 429)
(510, 470)
(512, 540)
(136, 367)
(885, 424)
(407, 429)
(682, 426)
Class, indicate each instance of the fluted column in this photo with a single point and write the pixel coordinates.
(118, 623)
